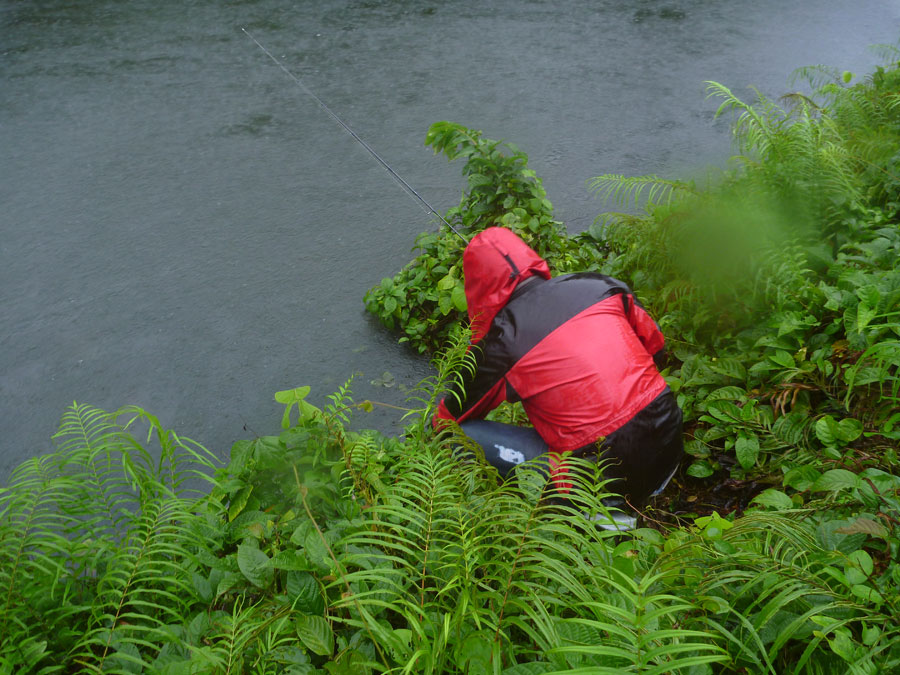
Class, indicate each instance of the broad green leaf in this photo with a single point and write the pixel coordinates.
(848, 429)
(826, 430)
(842, 644)
(202, 586)
(249, 524)
(445, 304)
(474, 654)
(801, 478)
(864, 525)
(730, 393)
(239, 502)
(864, 315)
(732, 368)
(390, 304)
(746, 447)
(241, 451)
(870, 635)
(783, 359)
(316, 634)
(696, 448)
(399, 646)
(726, 411)
(867, 593)
(291, 395)
(700, 469)
(854, 575)
(228, 581)
(829, 537)
(713, 520)
(458, 297)
(254, 565)
(835, 480)
(775, 499)
(305, 593)
(347, 662)
(316, 551)
(863, 561)
(714, 604)
(199, 626)
(295, 397)
(447, 282)
(289, 560)
(674, 383)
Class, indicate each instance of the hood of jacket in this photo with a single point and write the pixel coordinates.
(494, 263)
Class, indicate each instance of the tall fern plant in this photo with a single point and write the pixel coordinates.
(789, 590)
(714, 261)
(465, 574)
(97, 546)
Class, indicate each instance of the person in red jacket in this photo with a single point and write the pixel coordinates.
(580, 353)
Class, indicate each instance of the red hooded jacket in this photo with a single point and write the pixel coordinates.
(577, 350)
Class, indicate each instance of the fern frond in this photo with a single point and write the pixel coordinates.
(106, 543)
(773, 577)
(888, 53)
(33, 551)
(143, 588)
(182, 462)
(241, 640)
(92, 447)
(341, 402)
(610, 220)
(816, 76)
(449, 364)
(632, 190)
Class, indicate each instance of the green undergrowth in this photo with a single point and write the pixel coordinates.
(323, 550)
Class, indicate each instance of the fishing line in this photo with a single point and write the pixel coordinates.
(374, 154)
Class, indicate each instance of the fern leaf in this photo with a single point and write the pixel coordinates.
(632, 190)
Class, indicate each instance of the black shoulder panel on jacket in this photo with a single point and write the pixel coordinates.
(542, 308)
(533, 312)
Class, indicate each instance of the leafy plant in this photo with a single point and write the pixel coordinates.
(426, 299)
(325, 550)
(97, 548)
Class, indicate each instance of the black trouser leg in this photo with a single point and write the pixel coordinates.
(505, 445)
(642, 454)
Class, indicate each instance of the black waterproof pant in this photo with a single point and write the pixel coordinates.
(642, 455)
(639, 457)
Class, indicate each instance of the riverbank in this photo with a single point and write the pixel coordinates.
(324, 550)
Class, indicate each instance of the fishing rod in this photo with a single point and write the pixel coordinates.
(409, 189)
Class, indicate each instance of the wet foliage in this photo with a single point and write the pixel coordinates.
(323, 550)
(425, 301)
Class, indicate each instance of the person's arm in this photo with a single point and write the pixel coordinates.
(479, 389)
(646, 329)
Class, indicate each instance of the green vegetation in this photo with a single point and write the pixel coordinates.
(426, 300)
(322, 550)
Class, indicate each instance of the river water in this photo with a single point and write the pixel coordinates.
(184, 229)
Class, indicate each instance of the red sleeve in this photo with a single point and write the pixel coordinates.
(645, 327)
(494, 397)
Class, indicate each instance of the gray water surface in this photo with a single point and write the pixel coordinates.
(184, 229)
